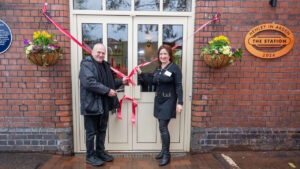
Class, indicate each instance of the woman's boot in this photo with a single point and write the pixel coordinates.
(166, 149)
(165, 159)
(159, 155)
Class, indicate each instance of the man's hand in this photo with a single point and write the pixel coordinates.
(179, 108)
(112, 93)
(125, 80)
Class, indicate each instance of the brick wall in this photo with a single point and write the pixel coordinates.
(36, 102)
(258, 95)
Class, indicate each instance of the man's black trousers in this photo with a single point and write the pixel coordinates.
(95, 126)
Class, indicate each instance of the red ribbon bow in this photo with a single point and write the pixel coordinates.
(134, 105)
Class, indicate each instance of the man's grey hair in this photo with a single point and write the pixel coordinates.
(97, 45)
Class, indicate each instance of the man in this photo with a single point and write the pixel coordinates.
(97, 98)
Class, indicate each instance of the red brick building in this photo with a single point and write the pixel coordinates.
(254, 104)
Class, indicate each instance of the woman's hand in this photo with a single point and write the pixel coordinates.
(178, 108)
(125, 80)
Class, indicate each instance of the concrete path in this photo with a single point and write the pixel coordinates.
(214, 160)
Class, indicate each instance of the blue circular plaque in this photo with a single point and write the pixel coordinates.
(5, 37)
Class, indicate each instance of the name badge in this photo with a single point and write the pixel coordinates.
(167, 73)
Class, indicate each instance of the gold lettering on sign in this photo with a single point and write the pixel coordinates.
(269, 41)
(272, 36)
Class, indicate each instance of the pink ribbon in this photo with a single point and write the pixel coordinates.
(215, 19)
(120, 74)
(134, 105)
(85, 46)
(141, 65)
(62, 30)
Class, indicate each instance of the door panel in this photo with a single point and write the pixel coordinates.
(174, 128)
(145, 118)
(118, 130)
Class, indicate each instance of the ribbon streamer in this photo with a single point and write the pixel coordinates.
(215, 19)
(141, 65)
(87, 49)
(134, 105)
(44, 11)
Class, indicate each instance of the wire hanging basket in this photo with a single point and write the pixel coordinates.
(217, 60)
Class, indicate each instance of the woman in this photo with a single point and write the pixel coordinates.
(168, 100)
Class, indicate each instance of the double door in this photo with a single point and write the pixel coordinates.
(131, 41)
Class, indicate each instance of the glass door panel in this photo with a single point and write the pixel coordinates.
(117, 46)
(146, 5)
(88, 4)
(118, 5)
(91, 34)
(177, 5)
(173, 36)
(147, 48)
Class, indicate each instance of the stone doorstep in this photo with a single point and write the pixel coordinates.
(138, 154)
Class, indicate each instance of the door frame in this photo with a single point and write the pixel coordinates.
(75, 65)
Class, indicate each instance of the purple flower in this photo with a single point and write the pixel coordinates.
(53, 47)
(36, 48)
(26, 42)
(233, 50)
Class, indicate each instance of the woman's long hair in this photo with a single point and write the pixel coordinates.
(168, 49)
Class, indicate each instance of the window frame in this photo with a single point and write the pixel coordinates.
(132, 12)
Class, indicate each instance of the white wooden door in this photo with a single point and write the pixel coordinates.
(130, 41)
(115, 32)
(149, 34)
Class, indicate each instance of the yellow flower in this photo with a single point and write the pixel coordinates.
(221, 38)
(36, 34)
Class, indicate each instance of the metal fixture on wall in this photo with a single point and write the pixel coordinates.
(273, 3)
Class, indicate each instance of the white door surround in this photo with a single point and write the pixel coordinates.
(122, 135)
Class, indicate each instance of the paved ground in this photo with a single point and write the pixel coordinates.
(214, 160)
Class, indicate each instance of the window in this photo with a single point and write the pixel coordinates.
(139, 5)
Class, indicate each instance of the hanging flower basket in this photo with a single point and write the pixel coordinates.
(219, 53)
(43, 58)
(217, 60)
(43, 50)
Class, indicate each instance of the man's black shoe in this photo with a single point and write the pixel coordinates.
(95, 161)
(105, 157)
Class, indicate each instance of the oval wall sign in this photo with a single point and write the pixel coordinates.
(5, 37)
(269, 41)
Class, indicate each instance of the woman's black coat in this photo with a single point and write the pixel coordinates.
(168, 82)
